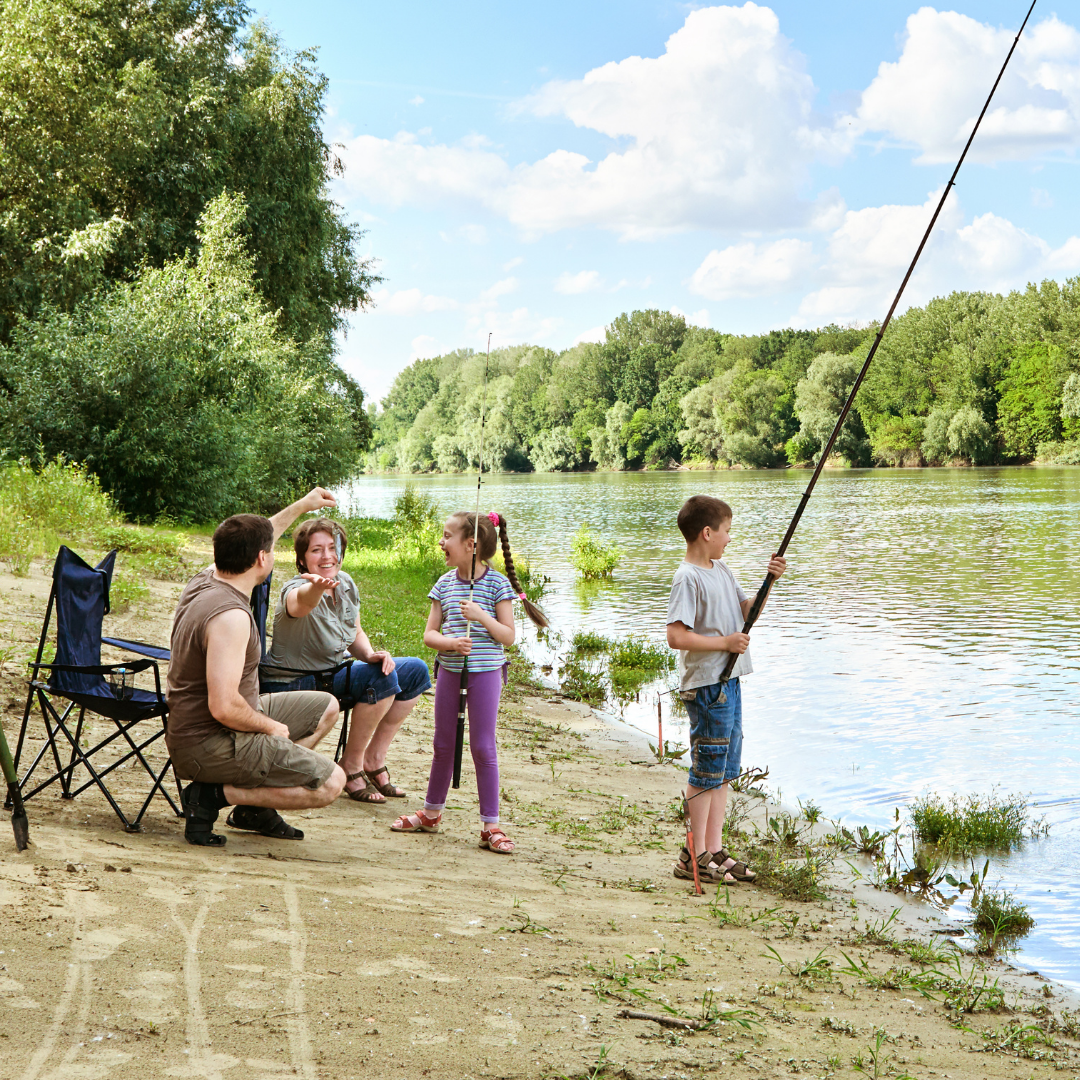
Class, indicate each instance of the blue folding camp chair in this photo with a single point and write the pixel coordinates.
(320, 680)
(80, 598)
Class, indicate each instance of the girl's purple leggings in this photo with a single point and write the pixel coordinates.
(484, 688)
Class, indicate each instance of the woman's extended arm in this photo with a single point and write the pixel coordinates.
(304, 599)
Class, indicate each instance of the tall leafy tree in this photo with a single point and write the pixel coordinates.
(121, 119)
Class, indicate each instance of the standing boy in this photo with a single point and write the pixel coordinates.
(706, 613)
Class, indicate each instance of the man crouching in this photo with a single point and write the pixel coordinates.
(239, 748)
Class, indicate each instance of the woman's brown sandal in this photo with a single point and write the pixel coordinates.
(708, 871)
(386, 789)
(418, 822)
(730, 865)
(494, 839)
(369, 793)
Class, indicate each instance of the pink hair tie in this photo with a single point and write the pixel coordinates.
(522, 596)
(493, 518)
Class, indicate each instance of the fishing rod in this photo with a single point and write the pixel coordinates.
(459, 743)
(763, 592)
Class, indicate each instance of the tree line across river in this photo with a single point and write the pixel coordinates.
(970, 378)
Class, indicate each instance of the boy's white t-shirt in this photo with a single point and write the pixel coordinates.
(707, 600)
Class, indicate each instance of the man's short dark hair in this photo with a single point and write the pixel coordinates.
(238, 541)
(700, 511)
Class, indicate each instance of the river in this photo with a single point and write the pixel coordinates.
(926, 637)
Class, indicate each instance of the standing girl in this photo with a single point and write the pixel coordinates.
(491, 612)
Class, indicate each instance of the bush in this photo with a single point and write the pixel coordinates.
(418, 529)
(1059, 453)
(971, 436)
(180, 393)
(591, 557)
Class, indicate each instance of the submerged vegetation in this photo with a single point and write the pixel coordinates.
(591, 557)
(966, 823)
(598, 667)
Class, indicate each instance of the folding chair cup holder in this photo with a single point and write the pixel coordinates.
(76, 683)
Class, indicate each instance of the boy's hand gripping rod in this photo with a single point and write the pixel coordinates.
(459, 742)
(763, 592)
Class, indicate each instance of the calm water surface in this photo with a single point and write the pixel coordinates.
(925, 638)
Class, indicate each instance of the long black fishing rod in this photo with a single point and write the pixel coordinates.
(763, 592)
(459, 742)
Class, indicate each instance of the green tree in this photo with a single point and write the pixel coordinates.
(819, 397)
(122, 119)
(179, 390)
(1029, 411)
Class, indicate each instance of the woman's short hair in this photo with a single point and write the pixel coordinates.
(302, 539)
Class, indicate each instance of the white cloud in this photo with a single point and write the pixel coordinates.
(745, 270)
(513, 327)
(517, 260)
(424, 346)
(410, 302)
(418, 100)
(718, 131)
(571, 284)
(597, 334)
(1042, 199)
(868, 254)
(930, 97)
(500, 288)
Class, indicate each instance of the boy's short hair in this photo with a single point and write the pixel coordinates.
(700, 511)
(238, 541)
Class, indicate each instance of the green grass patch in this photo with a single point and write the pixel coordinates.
(966, 823)
(999, 914)
(642, 655)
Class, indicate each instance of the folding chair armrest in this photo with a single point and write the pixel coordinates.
(141, 648)
(96, 669)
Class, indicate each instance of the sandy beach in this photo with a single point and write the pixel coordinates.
(358, 952)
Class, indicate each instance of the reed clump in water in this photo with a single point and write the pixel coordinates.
(973, 822)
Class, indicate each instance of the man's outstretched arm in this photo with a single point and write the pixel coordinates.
(316, 499)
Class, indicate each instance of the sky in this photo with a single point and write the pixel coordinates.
(533, 170)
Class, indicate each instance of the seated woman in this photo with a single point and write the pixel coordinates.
(317, 627)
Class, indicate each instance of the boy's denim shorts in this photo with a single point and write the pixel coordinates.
(365, 684)
(715, 734)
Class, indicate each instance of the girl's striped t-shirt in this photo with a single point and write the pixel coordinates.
(490, 587)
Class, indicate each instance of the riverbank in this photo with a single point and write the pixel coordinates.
(358, 952)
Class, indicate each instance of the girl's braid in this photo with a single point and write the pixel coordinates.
(534, 613)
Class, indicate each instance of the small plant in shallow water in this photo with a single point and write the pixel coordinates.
(967, 823)
(999, 919)
(591, 557)
(589, 642)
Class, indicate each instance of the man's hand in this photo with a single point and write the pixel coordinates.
(461, 645)
(318, 498)
(324, 584)
(384, 659)
(273, 727)
(777, 566)
(736, 643)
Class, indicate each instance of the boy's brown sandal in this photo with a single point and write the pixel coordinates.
(708, 871)
(730, 865)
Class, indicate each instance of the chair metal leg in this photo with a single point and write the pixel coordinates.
(343, 738)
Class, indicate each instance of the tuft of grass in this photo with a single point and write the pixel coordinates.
(642, 655)
(591, 557)
(127, 589)
(589, 642)
(999, 919)
(581, 683)
(966, 823)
